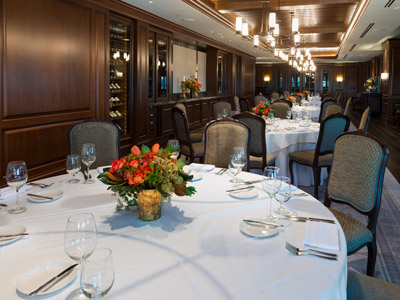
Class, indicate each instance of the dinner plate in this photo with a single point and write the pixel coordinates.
(55, 194)
(11, 229)
(34, 278)
(245, 194)
(196, 176)
(257, 231)
(101, 169)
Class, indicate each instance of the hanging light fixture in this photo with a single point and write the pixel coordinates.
(264, 23)
(295, 25)
(256, 41)
(276, 30)
(239, 22)
(245, 29)
(272, 21)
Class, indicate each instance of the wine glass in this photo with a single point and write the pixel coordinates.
(225, 112)
(283, 195)
(88, 157)
(275, 124)
(238, 161)
(16, 177)
(73, 166)
(306, 118)
(174, 147)
(298, 116)
(97, 276)
(271, 186)
(289, 114)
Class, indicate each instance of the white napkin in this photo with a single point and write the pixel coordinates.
(200, 167)
(9, 192)
(321, 235)
(101, 169)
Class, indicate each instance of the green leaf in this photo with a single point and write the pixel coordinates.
(145, 149)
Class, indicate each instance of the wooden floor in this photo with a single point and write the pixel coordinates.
(388, 134)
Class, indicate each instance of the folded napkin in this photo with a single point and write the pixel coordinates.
(101, 169)
(9, 192)
(200, 167)
(321, 235)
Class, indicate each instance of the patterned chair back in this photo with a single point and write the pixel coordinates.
(286, 93)
(221, 136)
(333, 109)
(365, 119)
(181, 106)
(324, 104)
(347, 108)
(105, 135)
(244, 104)
(281, 109)
(331, 128)
(237, 103)
(275, 96)
(181, 127)
(259, 98)
(218, 107)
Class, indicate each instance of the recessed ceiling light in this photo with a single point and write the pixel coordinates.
(150, 2)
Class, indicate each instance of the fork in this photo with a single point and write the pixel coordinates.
(309, 250)
(308, 253)
(42, 185)
(220, 172)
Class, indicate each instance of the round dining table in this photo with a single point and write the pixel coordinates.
(313, 111)
(194, 251)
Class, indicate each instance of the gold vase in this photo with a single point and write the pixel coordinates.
(149, 204)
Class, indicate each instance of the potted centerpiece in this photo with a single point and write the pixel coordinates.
(291, 99)
(145, 178)
(371, 84)
(193, 86)
(263, 110)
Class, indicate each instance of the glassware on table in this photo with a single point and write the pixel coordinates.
(225, 112)
(73, 166)
(275, 123)
(289, 114)
(306, 118)
(97, 276)
(283, 195)
(298, 116)
(271, 186)
(88, 157)
(219, 116)
(238, 161)
(174, 145)
(16, 177)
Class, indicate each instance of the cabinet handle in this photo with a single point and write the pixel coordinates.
(151, 123)
(151, 115)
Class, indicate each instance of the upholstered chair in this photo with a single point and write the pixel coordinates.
(105, 136)
(333, 109)
(339, 97)
(284, 102)
(218, 107)
(275, 96)
(356, 178)
(259, 158)
(364, 287)
(221, 136)
(347, 108)
(298, 98)
(365, 119)
(244, 104)
(196, 137)
(286, 93)
(237, 103)
(324, 104)
(181, 129)
(331, 128)
(281, 108)
(259, 98)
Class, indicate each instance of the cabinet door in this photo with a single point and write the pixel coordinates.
(351, 80)
(162, 80)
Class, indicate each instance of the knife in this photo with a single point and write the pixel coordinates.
(263, 223)
(303, 219)
(40, 196)
(3, 205)
(239, 189)
(253, 181)
(59, 275)
(12, 235)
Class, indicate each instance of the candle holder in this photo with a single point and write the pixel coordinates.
(183, 96)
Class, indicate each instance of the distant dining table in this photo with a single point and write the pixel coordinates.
(198, 249)
(313, 111)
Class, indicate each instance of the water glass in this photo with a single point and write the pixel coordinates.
(289, 114)
(73, 166)
(283, 195)
(276, 123)
(306, 119)
(88, 157)
(174, 148)
(298, 116)
(271, 186)
(219, 116)
(225, 112)
(238, 161)
(16, 177)
(97, 276)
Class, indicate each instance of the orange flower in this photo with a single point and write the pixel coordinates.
(135, 151)
(155, 148)
(265, 112)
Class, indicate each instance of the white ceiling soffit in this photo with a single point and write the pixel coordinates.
(385, 24)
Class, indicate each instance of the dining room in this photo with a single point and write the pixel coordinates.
(249, 148)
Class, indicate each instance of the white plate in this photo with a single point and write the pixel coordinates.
(11, 229)
(34, 278)
(47, 193)
(246, 194)
(257, 231)
(101, 169)
(196, 176)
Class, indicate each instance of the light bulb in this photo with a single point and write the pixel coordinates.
(297, 38)
(276, 52)
(295, 25)
(256, 41)
(272, 20)
(273, 43)
(276, 30)
(292, 51)
(245, 29)
(238, 24)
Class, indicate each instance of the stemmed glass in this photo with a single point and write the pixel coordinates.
(298, 116)
(97, 275)
(275, 124)
(271, 186)
(174, 145)
(88, 157)
(225, 112)
(16, 177)
(283, 195)
(73, 166)
(289, 115)
(238, 161)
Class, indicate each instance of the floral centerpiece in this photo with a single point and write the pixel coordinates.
(144, 178)
(193, 85)
(263, 109)
(291, 99)
(302, 95)
(371, 84)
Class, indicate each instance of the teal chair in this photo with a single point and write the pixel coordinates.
(324, 105)
(356, 179)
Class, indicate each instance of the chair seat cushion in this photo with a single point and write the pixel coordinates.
(357, 234)
(257, 162)
(306, 157)
(198, 150)
(196, 137)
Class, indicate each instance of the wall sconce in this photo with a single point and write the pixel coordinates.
(267, 78)
(385, 76)
(339, 78)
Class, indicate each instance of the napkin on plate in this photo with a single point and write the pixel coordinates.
(9, 192)
(200, 167)
(101, 169)
(321, 235)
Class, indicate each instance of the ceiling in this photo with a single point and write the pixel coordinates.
(330, 28)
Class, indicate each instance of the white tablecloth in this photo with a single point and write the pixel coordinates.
(195, 251)
(312, 110)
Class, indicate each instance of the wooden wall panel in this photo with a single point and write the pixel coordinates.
(248, 77)
(395, 60)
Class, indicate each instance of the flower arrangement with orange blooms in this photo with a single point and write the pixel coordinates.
(306, 92)
(263, 109)
(193, 85)
(301, 94)
(146, 169)
(291, 99)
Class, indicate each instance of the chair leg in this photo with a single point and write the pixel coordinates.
(317, 176)
(291, 170)
(371, 258)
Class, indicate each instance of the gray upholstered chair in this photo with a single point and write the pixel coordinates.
(237, 103)
(181, 129)
(275, 96)
(348, 106)
(331, 128)
(365, 119)
(259, 98)
(339, 97)
(221, 136)
(196, 137)
(244, 104)
(364, 287)
(259, 158)
(280, 108)
(105, 136)
(324, 104)
(298, 98)
(218, 107)
(333, 109)
(286, 93)
(356, 179)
